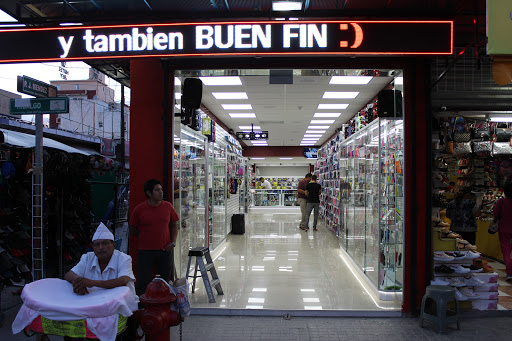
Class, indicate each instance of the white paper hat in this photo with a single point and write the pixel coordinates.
(102, 232)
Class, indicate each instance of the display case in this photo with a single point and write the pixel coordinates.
(372, 201)
(329, 178)
(190, 170)
(219, 193)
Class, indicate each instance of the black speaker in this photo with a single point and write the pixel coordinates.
(192, 93)
(389, 103)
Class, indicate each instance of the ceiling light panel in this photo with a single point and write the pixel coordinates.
(220, 81)
(313, 135)
(315, 131)
(350, 80)
(327, 114)
(230, 95)
(286, 158)
(177, 81)
(340, 94)
(319, 127)
(177, 95)
(257, 158)
(330, 106)
(236, 106)
(242, 115)
(322, 121)
(249, 127)
(284, 6)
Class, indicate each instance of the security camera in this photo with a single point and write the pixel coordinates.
(443, 108)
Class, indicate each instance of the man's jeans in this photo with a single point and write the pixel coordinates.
(146, 260)
(310, 207)
(303, 208)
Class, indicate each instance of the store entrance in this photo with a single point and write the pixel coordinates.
(353, 262)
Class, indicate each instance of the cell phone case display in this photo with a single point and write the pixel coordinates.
(219, 186)
(328, 167)
(190, 168)
(372, 201)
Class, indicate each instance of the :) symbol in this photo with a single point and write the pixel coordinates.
(359, 35)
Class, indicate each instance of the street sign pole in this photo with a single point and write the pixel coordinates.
(37, 204)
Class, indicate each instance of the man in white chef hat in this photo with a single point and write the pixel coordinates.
(105, 267)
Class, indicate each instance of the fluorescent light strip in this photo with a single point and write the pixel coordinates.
(319, 127)
(310, 139)
(313, 135)
(284, 6)
(241, 115)
(399, 81)
(501, 119)
(307, 144)
(286, 158)
(230, 95)
(350, 79)
(228, 80)
(322, 121)
(236, 106)
(177, 81)
(249, 127)
(332, 106)
(315, 131)
(177, 95)
(340, 94)
(327, 114)
(257, 158)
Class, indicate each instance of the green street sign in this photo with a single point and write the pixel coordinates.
(31, 86)
(30, 106)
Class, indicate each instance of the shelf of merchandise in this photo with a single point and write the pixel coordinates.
(327, 170)
(281, 183)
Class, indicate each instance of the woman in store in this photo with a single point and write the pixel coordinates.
(462, 212)
(503, 214)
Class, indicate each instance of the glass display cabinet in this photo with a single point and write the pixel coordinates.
(372, 201)
(219, 186)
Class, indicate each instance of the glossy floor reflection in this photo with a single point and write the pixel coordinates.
(275, 265)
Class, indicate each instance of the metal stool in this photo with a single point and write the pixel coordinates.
(441, 317)
(204, 268)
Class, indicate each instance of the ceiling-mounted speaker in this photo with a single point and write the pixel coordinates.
(389, 103)
(192, 93)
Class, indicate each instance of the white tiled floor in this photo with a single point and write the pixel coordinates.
(275, 265)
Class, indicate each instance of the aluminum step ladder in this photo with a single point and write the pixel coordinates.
(201, 253)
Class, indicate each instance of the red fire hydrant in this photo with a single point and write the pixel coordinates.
(157, 318)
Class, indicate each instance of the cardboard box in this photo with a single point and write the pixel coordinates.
(491, 277)
(485, 304)
(486, 288)
(487, 295)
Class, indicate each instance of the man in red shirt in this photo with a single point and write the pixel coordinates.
(154, 223)
(302, 200)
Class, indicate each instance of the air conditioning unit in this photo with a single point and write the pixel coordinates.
(58, 120)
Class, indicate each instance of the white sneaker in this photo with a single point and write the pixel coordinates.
(459, 269)
(472, 254)
(470, 294)
(456, 282)
(459, 296)
(439, 281)
(441, 256)
(472, 281)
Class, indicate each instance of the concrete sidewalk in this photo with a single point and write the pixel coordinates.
(474, 327)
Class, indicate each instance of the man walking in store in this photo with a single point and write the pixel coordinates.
(302, 199)
(313, 190)
(154, 223)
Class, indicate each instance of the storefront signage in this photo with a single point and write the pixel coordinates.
(229, 38)
(31, 86)
(30, 106)
(499, 27)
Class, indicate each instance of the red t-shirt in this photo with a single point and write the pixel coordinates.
(153, 224)
(503, 210)
(302, 185)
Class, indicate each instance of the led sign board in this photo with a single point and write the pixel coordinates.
(256, 38)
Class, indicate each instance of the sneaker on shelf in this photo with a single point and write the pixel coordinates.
(456, 282)
(459, 296)
(443, 269)
(472, 281)
(473, 268)
(472, 254)
(442, 256)
(456, 254)
(439, 281)
(459, 269)
(469, 293)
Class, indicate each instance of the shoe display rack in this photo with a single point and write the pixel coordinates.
(474, 280)
(328, 171)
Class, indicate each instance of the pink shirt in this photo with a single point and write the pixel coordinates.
(503, 210)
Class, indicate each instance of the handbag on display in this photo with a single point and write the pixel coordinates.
(482, 148)
(483, 133)
(462, 136)
(503, 134)
(501, 148)
(462, 148)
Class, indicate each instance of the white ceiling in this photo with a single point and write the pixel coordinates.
(285, 110)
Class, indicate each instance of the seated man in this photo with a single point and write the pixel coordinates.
(105, 267)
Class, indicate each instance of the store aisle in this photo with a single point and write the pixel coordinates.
(277, 266)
